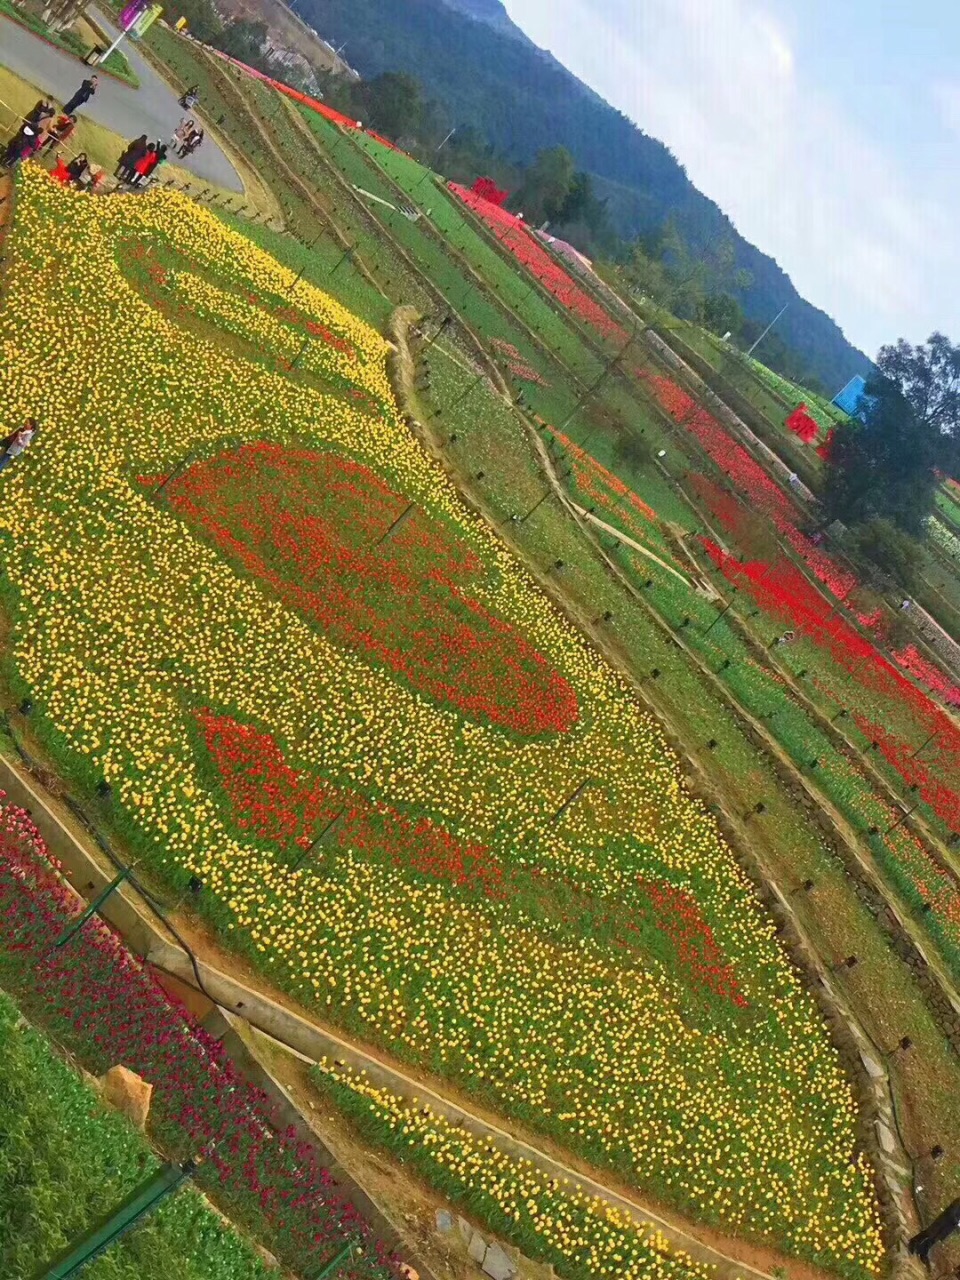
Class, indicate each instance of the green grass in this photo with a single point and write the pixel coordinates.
(66, 1161)
(948, 506)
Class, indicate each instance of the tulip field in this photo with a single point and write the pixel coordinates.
(512, 232)
(242, 598)
(580, 1235)
(98, 1002)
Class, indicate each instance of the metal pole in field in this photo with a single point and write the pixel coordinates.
(92, 909)
(472, 387)
(343, 259)
(337, 1261)
(400, 521)
(718, 617)
(127, 1215)
(538, 503)
(300, 354)
(766, 330)
(181, 466)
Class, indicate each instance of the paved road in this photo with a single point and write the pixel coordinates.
(152, 109)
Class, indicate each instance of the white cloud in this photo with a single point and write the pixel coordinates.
(719, 81)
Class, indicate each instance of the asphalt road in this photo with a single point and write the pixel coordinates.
(152, 109)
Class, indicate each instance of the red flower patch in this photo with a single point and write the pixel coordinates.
(276, 804)
(802, 425)
(317, 530)
(763, 494)
(782, 591)
(513, 233)
(696, 952)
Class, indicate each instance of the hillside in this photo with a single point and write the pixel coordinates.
(493, 14)
(468, 57)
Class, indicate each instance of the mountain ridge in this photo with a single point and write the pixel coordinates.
(472, 57)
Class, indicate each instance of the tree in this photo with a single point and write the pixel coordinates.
(721, 313)
(663, 267)
(928, 375)
(631, 450)
(394, 104)
(244, 40)
(883, 462)
(546, 186)
(889, 548)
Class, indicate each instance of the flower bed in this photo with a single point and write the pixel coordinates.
(581, 1236)
(524, 902)
(750, 478)
(514, 235)
(93, 997)
(782, 591)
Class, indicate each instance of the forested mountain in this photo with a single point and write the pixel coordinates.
(469, 56)
(493, 14)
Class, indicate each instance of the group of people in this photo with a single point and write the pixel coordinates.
(187, 137)
(140, 161)
(46, 129)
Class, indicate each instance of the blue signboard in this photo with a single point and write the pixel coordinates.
(849, 398)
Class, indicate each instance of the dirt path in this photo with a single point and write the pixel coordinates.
(638, 546)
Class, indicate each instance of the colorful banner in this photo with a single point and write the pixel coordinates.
(145, 21)
(131, 13)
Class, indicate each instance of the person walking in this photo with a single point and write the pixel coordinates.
(82, 96)
(193, 142)
(938, 1231)
(19, 441)
(182, 132)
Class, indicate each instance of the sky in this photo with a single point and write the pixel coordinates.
(828, 130)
